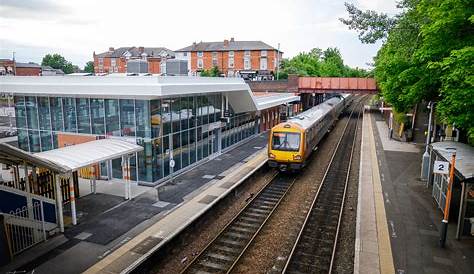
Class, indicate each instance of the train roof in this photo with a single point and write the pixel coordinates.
(309, 117)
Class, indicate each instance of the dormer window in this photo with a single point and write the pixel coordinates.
(200, 54)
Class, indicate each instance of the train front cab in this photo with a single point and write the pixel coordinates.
(286, 147)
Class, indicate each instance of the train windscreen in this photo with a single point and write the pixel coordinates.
(286, 141)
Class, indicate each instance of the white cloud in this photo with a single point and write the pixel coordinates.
(77, 28)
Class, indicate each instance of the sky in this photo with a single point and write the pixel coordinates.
(77, 28)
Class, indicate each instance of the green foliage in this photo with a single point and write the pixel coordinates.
(213, 72)
(371, 25)
(89, 67)
(56, 61)
(328, 63)
(428, 55)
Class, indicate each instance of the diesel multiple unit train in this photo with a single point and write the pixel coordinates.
(291, 143)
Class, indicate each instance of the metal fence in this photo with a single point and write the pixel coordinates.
(25, 227)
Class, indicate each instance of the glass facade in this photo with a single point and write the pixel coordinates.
(185, 129)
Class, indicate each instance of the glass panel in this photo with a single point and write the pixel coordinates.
(211, 109)
(156, 121)
(145, 158)
(199, 144)
(56, 113)
(44, 116)
(133, 168)
(69, 112)
(127, 117)
(205, 144)
(34, 137)
(117, 168)
(192, 105)
(192, 145)
(142, 111)
(112, 124)
(157, 165)
(46, 141)
(184, 149)
(98, 116)
(177, 151)
(20, 113)
(166, 116)
(31, 112)
(286, 141)
(166, 155)
(175, 114)
(23, 139)
(83, 119)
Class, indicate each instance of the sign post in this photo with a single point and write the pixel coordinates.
(444, 222)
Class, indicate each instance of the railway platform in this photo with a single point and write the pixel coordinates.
(398, 223)
(125, 233)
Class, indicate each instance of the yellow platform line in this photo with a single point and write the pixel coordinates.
(385, 249)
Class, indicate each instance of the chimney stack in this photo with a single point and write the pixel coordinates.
(232, 39)
(226, 43)
(111, 49)
(141, 49)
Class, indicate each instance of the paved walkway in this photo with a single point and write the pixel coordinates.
(390, 178)
(113, 234)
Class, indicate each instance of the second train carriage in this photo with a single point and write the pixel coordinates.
(291, 143)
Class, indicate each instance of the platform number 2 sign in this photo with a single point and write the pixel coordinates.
(441, 167)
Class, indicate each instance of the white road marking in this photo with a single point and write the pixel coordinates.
(394, 235)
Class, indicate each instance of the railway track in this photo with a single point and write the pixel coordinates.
(224, 251)
(315, 246)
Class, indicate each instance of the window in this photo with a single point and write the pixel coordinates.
(199, 64)
(214, 58)
(98, 116)
(246, 63)
(263, 63)
(69, 114)
(101, 61)
(286, 141)
(247, 53)
(113, 62)
(185, 54)
(263, 53)
(231, 54)
(83, 118)
(231, 62)
(200, 54)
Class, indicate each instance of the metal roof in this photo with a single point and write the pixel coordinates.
(134, 52)
(275, 99)
(14, 156)
(309, 117)
(464, 157)
(86, 154)
(232, 45)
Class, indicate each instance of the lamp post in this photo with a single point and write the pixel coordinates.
(426, 156)
(444, 222)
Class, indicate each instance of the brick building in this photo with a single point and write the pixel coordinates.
(115, 60)
(248, 59)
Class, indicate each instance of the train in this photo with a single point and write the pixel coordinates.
(291, 143)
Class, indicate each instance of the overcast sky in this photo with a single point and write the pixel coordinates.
(76, 28)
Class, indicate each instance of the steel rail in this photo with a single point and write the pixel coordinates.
(193, 265)
(305, 223)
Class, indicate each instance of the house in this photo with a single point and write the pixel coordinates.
(247, 59)
(27, 69)
(115, 60)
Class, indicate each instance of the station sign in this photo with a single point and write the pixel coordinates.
(172, 163)
(441, 167)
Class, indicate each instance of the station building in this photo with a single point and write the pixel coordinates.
(183, 119)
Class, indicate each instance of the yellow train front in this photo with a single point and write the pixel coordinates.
(290, 143)
(284, 149)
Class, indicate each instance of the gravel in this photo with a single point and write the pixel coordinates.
(269, 250)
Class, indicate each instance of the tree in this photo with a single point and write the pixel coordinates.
(89, 67)
(56, 61)
(427, 55)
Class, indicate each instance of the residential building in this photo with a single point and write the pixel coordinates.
(7, 67)
(184, 119)
(115, 60)
(247, 59)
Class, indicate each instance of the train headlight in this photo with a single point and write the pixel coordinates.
(297, 157)
(271, 156)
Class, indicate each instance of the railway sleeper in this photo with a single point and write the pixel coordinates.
(236, 235)
(249, 220)
(256, 214)
(247, 224)
(212, 265)
(231, 242)
(220, 257)
(227, 249)
(260, 210)
(242, 229)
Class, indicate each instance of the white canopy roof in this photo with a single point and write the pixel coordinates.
(275, 99)
(131, 87)
(464, 156)
(86, 154)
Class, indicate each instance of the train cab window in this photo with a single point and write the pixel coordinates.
(286, 141)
